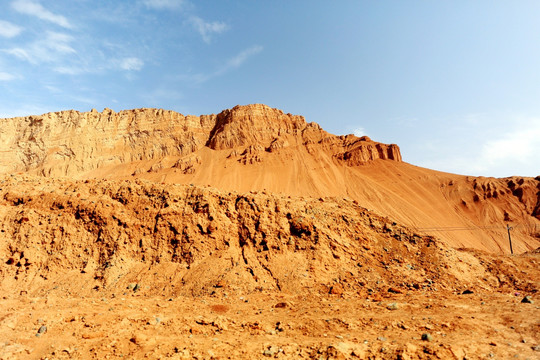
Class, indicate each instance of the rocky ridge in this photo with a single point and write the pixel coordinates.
(70, 143)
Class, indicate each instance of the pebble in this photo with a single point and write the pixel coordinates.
(270, 351)
(42, 330)
(392, 306)
(381, 338)
(427, 337)
(527, 300)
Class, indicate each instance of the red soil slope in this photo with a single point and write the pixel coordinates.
(255, 147)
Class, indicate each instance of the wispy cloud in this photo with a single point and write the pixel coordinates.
(131, 64)
(164, 4)
(70, 70)
(514, 152)
(359, 131)
(9, 30)
(207, 29)
(6, 76)
(34, 8)
(241, 58)
(232, 63)
(47, 49)
(521, 145)
(25, 110)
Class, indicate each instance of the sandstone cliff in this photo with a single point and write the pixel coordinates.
(70, 143)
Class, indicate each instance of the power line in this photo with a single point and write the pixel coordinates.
(472, 228)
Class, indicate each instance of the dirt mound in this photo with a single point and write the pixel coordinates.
(137, 269)
(187, 240)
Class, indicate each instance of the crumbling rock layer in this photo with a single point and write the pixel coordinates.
(188, 240)
(69, 143)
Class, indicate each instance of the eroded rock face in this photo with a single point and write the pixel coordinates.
(70, 143)
(252, 124)
(364, 149)
(180, 239)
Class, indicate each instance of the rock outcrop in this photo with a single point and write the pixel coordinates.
(70, 143)
(108, 234)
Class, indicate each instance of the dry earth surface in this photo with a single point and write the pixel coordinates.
(253, 234)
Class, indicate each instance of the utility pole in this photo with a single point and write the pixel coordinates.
(508, 227)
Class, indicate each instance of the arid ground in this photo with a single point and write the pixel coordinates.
(252, 234)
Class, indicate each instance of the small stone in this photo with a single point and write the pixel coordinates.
(467, 292)
(381, 338)
(42, 330)
(427, 337)
(270, 351)
(535, 348)
(392, 306)
(527, 300)
(221, 284)
(337, 289)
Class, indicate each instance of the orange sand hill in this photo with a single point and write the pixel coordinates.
(256, 147)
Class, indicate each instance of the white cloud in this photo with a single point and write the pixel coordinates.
(164, 4)
(491, 153)
(207, 29)
(54, 46)
(241, 58)
(34, 8)
(231, 64)
(20, 53)
(23, 111)
(359, 131)
(131, 64)
(9, 30)
(6, 76)
(69, 70)
(521, 144)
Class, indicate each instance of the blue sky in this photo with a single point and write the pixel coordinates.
(455, 83)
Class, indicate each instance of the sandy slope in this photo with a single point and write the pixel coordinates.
(442, 204)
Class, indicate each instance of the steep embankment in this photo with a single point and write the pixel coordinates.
(255, 147)
(70, 237)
